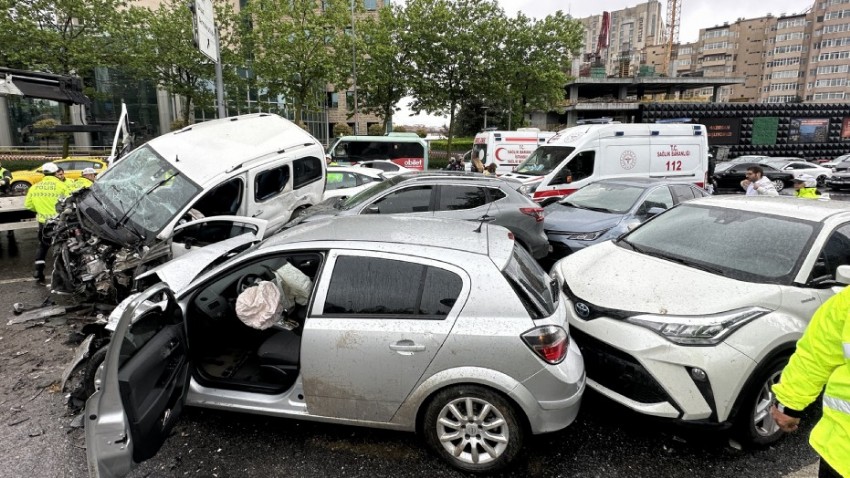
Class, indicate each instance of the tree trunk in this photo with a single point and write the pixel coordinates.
(66, 138)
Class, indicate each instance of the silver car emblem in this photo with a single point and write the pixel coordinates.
(582, 310)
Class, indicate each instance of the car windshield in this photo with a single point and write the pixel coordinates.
(605, 197)
(144, 191)
(544, 160)
(723, 167)
(776, 164)
(531, 283)
(742, 245)
(369, 193)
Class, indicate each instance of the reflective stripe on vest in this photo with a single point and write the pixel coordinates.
(836, 404)
(847, 350)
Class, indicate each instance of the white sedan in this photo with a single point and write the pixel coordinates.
(798, 168)
(350, 180)
(388, 167)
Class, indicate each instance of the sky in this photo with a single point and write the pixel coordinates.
(696, 14)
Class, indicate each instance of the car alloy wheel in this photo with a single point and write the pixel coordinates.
(473, 428)
(754, 425)
(20, 187)
(763, 423)
(778, 184)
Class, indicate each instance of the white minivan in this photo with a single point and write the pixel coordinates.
(580, 155)
(202, 184)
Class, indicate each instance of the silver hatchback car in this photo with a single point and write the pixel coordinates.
(443, 327)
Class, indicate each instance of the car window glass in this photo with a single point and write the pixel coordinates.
(141, 332)
(269, 183)
(363, 179)
(222, 200)
(413, 199)
(209, 232)
(683, 192)
(68, 165)
(305, 171)
(494, 194)
(660, 197)
(342, 180)
(769, 169)
(742, 245)
(383, 166)
(376, 286)
(454, 198)
(580, 167)
(835, 252)
(535, 289)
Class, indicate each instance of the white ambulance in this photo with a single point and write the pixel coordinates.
(507, 148)
(577, 156)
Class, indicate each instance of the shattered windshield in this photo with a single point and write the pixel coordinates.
(143, 191)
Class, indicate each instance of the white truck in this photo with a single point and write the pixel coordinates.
(580, 155)
(507, 149)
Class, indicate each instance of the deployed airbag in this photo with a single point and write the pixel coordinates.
(260, 306)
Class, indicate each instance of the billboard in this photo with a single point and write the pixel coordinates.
(722, 131)
(808, 130)
(845, 129)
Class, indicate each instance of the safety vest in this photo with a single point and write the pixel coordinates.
(42, 197)
(823, 358)
(80, 183)
(808, 193)
(5, 175)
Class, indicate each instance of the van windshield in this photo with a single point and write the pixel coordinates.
(144, 190)
(544, 160)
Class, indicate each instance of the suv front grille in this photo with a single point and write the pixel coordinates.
(618, 371)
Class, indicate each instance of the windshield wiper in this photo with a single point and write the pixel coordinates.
(597, 209)
(677, 260)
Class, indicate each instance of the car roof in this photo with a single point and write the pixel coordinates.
(203, 150)
(392, 229)
(789, 206)
(355, 170)
(454, 175)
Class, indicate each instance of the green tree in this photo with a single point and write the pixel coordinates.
(383, 67)
(342, 129)
(164, 52)
(376, 130)
(300, 46)
(452, 45)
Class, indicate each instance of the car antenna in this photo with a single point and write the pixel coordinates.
(484, 217)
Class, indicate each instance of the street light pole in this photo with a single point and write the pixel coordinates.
(485, 116)
(354, 69)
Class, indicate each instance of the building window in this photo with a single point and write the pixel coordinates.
(370, 5)
(333, 100)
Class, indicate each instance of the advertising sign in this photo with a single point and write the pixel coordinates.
(722, 130)
(808, 130)
(845, 129)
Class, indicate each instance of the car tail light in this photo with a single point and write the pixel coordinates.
(535, 212)
(549, 342)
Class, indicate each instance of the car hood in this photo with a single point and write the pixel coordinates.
(609, 276)
(841, 175)
(563, 218)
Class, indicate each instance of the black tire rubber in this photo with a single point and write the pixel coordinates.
(506, 408)
(90, 371)
(19, 187)
(743, 427)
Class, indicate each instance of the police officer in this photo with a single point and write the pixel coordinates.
(85, 180)
(821, 363)
(5, 180)
(42, 198)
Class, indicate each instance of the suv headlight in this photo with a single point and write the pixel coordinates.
(698, 330)
(582, 236)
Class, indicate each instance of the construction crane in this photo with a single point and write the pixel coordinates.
(674, 20)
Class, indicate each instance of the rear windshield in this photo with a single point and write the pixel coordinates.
(533, 286)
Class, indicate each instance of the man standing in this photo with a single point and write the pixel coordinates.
(85, 180)
(758, 185)
(821, 362)
(5, 180)
(42, 198)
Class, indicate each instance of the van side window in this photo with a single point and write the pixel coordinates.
(222, 200)
(580, 167)
(306, 170)
(269, 183)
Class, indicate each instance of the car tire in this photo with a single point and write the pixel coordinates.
(470, 442)
(778, 184)
(92, 376)
(821, 181)
(835, 188)
(20, 187)
(754, 426)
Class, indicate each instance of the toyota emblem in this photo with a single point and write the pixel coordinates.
(582, 310)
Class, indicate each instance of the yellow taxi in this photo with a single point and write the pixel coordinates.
(73, 167)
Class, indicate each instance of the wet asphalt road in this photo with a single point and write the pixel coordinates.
(605, 441)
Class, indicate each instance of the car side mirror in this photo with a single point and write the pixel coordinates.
(654, 211)
(372, 210)
(842, 275)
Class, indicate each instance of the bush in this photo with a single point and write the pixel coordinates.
(342, 129)
(459, 145)
(399, 129)
(177, 124)
(376, 130)
(422, 132)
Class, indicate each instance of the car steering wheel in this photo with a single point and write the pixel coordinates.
(247, 281)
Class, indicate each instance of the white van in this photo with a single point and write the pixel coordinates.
(200, 185)
(507, 148)
(577, 156)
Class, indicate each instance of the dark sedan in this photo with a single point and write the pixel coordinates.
(839, 181)
(730, 175)
(605, 209)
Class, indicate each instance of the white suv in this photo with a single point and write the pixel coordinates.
(694, 314)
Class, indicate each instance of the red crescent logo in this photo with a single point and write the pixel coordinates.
(496, 153)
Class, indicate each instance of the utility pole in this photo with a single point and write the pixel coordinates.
(485, 116)
(354, 70)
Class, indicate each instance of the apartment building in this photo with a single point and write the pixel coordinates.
(631, 31)
(825, 75)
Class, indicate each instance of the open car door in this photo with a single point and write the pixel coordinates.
(145, 380)
(209, 230)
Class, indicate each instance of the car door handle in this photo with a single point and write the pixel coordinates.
(407, 346)
(257, 213)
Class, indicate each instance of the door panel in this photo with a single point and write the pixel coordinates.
(145, 379)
